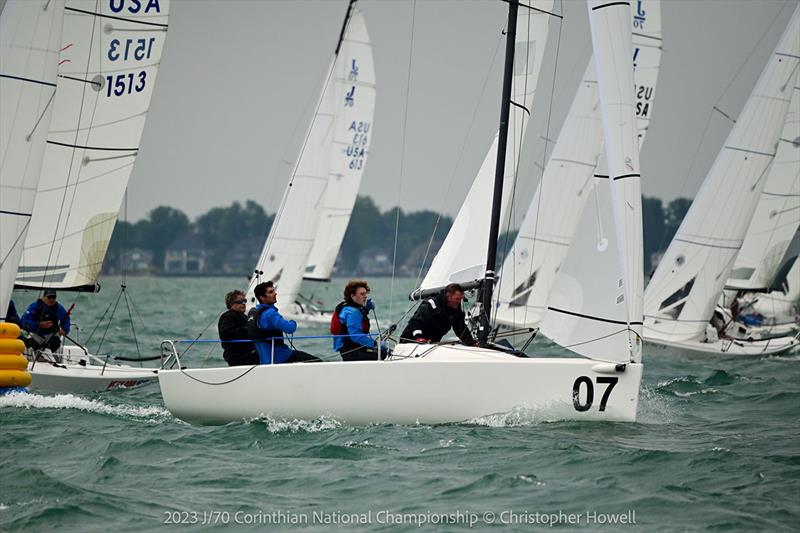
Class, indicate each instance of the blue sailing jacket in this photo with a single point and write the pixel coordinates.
(271, 319)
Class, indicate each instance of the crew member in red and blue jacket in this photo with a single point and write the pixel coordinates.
(266, 324)
(351, 320)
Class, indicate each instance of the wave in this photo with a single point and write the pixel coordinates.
(296, 425)
(26, 400)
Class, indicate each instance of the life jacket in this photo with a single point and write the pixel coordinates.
(337, 328)
(257, 333)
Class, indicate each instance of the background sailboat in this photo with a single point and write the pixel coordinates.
(313, 216)
(106, 76)
(681, 296)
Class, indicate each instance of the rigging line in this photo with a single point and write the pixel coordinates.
(101, 15)
(544, 157)
(38, 120)
(108, 325)
(402, 155)
(463, 149)
(133, 328)
(16, 241)
(716, 106)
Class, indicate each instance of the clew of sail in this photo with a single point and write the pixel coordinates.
(107, 73)
(531, 268)
(602, 316)
(355, 74)
(462, 256)
(776, 218)
(334, 151)
(30, 36)
(684, 290)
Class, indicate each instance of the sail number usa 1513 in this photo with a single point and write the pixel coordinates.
(130, 49)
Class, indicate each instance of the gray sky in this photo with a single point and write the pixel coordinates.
(238, 81)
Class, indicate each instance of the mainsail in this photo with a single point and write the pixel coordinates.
(462, 257)
(680, 299)
(778, 213)
(531, 267)
(109, 61)
(333, 157)
(30, 36)
(602, 316)
(349, 149)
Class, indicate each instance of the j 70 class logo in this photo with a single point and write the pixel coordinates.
(638, 18)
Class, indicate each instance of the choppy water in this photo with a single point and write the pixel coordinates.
(716, 448)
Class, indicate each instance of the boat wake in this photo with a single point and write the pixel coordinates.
(150, 413)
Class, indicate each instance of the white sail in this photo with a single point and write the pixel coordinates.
(109, 61)
(348, 151)
(531, 267)
(333, 144)
(462, 257)
(778, 213)
(602, 316)
(30, 36)
(681, 296)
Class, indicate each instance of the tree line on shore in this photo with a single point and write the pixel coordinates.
(418, 234)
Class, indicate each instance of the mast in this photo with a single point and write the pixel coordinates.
(497, 198)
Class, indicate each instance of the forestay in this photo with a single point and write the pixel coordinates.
(334, 151)
(778, 213)
(462, 256)
(532, 266)
(355, 74)
(604, 317)
(109, 60)
(690, 277)
(30, 36)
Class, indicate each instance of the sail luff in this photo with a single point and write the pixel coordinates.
(612, 43)
(30, 37)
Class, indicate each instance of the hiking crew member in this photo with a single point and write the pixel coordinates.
(46, 317)
(436, 316)
(351, 318)
(266, 324)
(232, 326)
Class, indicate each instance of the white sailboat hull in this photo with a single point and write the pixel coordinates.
(774, 346)
(449, 384)
(70, 376)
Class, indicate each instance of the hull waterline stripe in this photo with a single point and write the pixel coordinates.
(101, 15)
(590, 317)
(29, 80)
(595, 8)
(93, 147)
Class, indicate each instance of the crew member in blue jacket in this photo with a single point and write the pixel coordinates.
(266, 323)
(353, 320)
(46, 317)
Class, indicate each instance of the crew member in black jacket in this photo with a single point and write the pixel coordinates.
(233, 327)
(436, 316)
